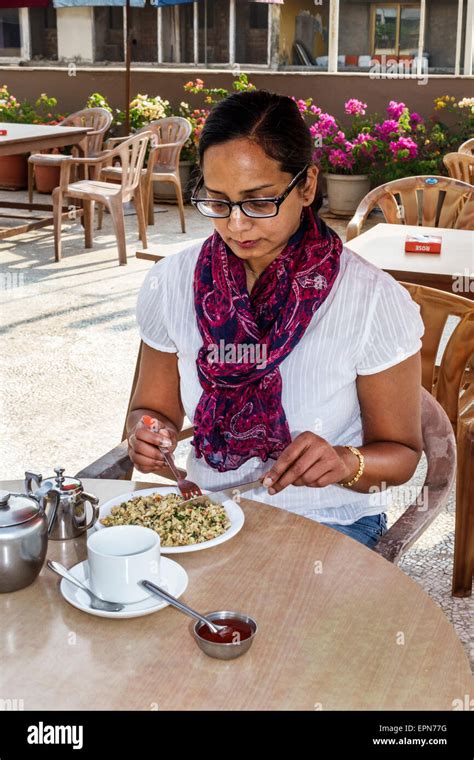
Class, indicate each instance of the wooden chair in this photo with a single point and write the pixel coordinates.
(451, 383)
(169, 136)
(97, 119)
(460, 166)
(467, 147)
(430, 201)
(131, 155)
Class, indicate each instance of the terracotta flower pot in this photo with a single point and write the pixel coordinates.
(46, 178)
(345, 192)
(14, 172)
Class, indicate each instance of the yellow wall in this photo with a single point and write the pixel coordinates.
(289, 11)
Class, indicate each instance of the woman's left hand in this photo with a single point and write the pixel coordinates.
(310, 460)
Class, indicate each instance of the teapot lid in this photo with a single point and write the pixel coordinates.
(16, 508)
(62, 482)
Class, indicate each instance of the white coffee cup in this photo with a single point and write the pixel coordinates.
(120, 557)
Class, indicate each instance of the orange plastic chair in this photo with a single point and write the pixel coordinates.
(131, 155)
(169, 137)
(452, 384)
(429, 201)
(460, 166)
(99, 121)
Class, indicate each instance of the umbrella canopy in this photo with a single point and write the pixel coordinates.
(24, 3)
(96, 3)
(164, 3)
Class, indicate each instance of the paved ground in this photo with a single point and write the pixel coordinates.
(69, 348)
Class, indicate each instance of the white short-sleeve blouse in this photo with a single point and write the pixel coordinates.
(367, 324)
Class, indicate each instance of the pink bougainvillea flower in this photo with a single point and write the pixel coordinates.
(339, 159)
(404, 149)
(355, 107)
(366, 143)
(387, 129)
(339, 138)
(416, 119)
(326, 125)
(395, 109)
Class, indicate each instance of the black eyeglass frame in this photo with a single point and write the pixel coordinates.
(277, 199)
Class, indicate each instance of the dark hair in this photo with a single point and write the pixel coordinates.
(272, 121)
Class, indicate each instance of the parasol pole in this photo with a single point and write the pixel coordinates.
(128, 55)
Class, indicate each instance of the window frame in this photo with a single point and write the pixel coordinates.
(373, 16)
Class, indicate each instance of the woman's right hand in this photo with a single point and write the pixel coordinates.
(143, 445)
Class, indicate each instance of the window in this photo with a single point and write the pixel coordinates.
(10, 38)
(409, 29)
(50, 18)
(115, 18)
(206, 14)
(396, 29)
(258, 16)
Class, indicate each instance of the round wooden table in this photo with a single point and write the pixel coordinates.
(340, 628)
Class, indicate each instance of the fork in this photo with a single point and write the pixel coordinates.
(187, 488)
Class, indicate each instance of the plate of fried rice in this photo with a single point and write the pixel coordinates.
(201, 525)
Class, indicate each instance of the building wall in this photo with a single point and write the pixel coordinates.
(218, 35)
(108, 39)
(354, 29)
(75, 33)
(144, 34)
(440, 36)
(329, 91)
(44, 38)
(251, 43)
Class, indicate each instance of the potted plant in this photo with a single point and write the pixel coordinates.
(14, 169)
(47, 177)
(367, 152)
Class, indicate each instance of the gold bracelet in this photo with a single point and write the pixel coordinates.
(359, 472)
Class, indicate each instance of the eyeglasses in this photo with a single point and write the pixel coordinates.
(256, 208)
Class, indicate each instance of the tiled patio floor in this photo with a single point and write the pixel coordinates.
(69, 349)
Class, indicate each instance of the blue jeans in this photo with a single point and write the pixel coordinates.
(367, 530)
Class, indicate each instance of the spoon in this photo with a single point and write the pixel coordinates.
(220, 629)
(96, 602)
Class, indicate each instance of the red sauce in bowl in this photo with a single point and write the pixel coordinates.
(238, 631)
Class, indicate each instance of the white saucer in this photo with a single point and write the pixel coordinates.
(174, 579)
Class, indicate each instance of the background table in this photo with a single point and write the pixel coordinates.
(33, 138)
(384, 246)
(350, 617)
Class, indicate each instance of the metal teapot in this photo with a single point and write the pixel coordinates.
(67, 516)
(23, 538)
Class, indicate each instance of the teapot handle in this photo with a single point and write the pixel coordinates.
(54, 509)
(94, 502)
(29, 478)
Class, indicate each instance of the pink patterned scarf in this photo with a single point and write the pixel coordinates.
(246, 337)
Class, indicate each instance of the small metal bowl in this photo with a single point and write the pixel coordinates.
(225, 651)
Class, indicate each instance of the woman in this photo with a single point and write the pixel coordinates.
(297, 361)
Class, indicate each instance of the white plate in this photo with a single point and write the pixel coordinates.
(174, 579)
(234, 513)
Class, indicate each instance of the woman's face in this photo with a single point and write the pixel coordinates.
(239, 169)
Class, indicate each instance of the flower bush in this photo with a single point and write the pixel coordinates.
(397, 144)
(144, 109)
(22, 112)
(197, 117)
